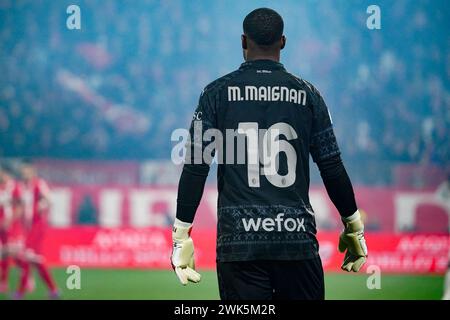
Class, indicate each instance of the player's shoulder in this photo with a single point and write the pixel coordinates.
(307, 86)
(304, 84)
(217, 85)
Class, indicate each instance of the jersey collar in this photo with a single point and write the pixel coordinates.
(262, 63)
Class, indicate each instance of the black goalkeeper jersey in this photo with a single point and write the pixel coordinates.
(269, 122)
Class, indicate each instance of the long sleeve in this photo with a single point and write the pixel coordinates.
(196, 167)
(325, 152)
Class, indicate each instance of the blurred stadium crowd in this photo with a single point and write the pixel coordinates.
(73, 93)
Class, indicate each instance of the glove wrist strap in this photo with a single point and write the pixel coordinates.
(353, 223)
(351, 218)
(180, 224)
(181, 230)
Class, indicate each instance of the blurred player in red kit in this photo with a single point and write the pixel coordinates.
(36, 204)
(12, 235)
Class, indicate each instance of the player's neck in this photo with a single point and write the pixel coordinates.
(251, 56)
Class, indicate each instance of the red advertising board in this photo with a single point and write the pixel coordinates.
(385, 209)
(151, 247)
(74, 172)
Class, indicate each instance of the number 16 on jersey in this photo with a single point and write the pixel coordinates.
(271, 146)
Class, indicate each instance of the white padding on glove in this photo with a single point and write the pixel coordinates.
(183, 253)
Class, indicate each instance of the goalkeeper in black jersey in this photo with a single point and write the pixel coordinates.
(262, 123)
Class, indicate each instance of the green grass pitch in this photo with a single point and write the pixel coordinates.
(162, 284)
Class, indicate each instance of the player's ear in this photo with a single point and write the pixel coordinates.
(244, 41)
(283, 42)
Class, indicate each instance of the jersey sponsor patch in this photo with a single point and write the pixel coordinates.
(279, 223)
(256, 231)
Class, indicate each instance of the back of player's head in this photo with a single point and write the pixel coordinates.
(263, 26)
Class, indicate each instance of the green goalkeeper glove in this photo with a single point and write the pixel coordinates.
(352, 240)
(183, 253)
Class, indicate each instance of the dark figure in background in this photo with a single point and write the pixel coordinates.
(87, 213)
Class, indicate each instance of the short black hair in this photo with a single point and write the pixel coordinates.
(264, 26)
